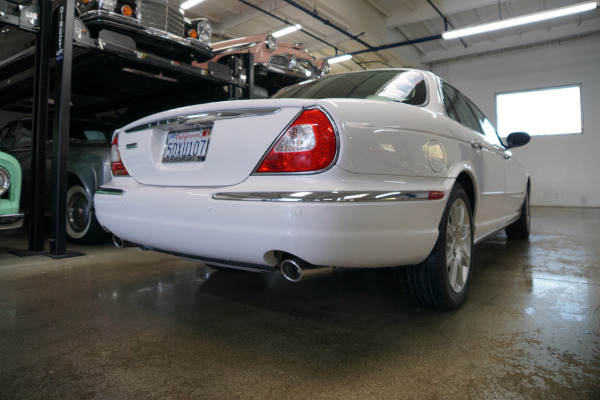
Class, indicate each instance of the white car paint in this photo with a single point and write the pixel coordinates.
(385, 156)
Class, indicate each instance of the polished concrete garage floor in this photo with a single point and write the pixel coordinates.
(127, 324)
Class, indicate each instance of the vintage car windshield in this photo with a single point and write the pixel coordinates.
(401, 86)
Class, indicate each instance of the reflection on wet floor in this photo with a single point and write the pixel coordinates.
(122, 323)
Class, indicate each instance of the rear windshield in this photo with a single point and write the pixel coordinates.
(393, 85)
(90, 131)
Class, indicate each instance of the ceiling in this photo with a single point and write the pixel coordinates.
(375, 23)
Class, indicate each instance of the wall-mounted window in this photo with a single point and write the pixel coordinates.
(552, 111)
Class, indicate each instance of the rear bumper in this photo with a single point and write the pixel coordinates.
(11, 221)
(251, 226)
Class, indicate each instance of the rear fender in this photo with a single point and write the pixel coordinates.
(89, 169)
(11, 205)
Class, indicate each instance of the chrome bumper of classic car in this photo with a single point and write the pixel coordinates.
(109, 19)
(11, 221)
(334, 196)
(297, 72)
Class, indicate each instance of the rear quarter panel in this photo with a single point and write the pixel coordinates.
(388, 138)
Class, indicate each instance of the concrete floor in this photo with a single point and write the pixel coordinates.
(127, 324)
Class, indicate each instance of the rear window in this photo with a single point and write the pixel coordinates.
(393, 85)
(90, 131)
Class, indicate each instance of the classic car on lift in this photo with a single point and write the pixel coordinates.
(10, 192)
(276, 64)
(88, 168)
(379, 168)
(158, 27)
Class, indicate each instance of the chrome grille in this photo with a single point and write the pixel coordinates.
(160, 15)
(175, 22)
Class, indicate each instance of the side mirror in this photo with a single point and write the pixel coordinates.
(517, 139)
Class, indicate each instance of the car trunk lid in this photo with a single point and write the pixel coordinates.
(211, 145)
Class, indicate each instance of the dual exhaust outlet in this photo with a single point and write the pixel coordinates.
(293, 269)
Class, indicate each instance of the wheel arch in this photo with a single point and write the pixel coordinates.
(86, 171)
(75, 179)
(468, 183)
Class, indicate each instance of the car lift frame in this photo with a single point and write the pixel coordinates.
(37, 18)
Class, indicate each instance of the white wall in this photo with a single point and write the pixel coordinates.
(565, 169)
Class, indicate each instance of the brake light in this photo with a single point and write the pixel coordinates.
(309, 144)
(116, 164)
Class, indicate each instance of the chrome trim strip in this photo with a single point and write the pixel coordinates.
(204, 118)
(110, 191)
(11, 221)
(315, 197)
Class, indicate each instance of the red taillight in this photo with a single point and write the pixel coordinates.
(116, 164)
(309, 144)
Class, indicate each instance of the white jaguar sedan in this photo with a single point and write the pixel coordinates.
(379, 168)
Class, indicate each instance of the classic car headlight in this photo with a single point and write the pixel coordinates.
(108, 4)
(4, 180)
(204, 30)
(271, 42)
(293, 61)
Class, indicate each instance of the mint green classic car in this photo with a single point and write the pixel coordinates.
(10, 192)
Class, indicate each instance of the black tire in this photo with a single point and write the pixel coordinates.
(82, 225)
(521, 228)
(442, 280)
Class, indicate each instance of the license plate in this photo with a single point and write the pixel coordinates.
(189, 145)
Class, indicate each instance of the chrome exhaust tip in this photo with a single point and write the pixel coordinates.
(120, 243)
(295, 270)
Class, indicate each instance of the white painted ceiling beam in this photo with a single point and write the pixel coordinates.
(235, 20)
(426, 12)
(379, 7)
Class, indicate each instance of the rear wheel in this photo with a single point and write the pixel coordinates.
(82, 225)
(442, 280)
(521, 228)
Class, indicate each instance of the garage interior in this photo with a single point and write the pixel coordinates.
(121, 323)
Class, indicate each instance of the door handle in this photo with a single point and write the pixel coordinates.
(476, 145)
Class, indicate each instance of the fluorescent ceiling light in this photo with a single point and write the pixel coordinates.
(338, 59)
(287, 30)
(526, 19)
(190, 3)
